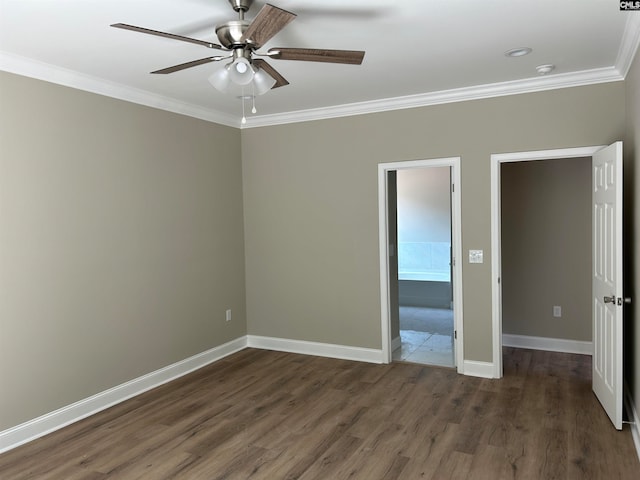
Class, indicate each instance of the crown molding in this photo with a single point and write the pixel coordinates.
(629, 44)
(69, 78)
(552, 82)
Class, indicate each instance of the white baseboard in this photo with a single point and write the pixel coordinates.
(50, 422)
(358, 354)
(64, 416)
(38, 427)
(478, 369)
(634, 419)
(547, 344)
(396, 343)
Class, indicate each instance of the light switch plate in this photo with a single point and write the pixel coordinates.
(476, 256)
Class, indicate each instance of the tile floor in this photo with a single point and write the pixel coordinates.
(425, 348)
(430, 348)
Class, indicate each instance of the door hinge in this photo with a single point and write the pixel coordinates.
(455, 334)
(453, 187)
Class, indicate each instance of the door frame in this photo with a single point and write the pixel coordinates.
(497, 160)
(456, 240)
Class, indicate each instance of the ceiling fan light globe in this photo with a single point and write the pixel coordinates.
(241, 72)
(262, 82)
(221, 79)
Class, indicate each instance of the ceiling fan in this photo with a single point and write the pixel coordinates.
(241, 39)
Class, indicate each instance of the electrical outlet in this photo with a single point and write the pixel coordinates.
(228, 315)
(557, 311)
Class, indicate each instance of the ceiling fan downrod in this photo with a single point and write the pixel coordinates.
(241, 6)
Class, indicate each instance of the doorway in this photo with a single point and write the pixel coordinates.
(546, 249)
(607, 265)
(421, 288)
(425, 294)
(497, 160)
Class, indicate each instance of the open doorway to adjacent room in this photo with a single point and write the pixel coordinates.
(425, 294)
(421, 278)
(557, 259)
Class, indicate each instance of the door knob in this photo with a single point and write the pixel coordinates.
(611, 299)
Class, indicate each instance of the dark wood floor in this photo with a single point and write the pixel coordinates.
(270, 415)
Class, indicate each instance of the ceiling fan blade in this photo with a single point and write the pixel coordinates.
(269, 21)
(167, 35)
(353, 57)
(193, 63)
(280, 80)
(342, 11)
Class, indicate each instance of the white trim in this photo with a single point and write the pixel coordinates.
(69, 78)
(496, 267)
(383, 242)
(547, 344)
(64, 416)
(501, 89)
(479, 369)
(304, 347)
(456, 240)
(546, 154)
(628, 45)
(496, 248)
(634, 419)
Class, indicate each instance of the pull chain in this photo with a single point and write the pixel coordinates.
(244, 118)
(253, 97)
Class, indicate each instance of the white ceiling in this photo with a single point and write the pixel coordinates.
(418, 52)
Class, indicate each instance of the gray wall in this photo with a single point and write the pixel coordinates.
(121, 243)
(311, 209)
(632, 232)
(546, 248)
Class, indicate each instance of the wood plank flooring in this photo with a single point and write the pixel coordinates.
(278, 416)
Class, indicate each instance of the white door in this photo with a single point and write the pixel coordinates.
(607, 280)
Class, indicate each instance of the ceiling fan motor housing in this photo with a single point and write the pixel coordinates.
(230, 33)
